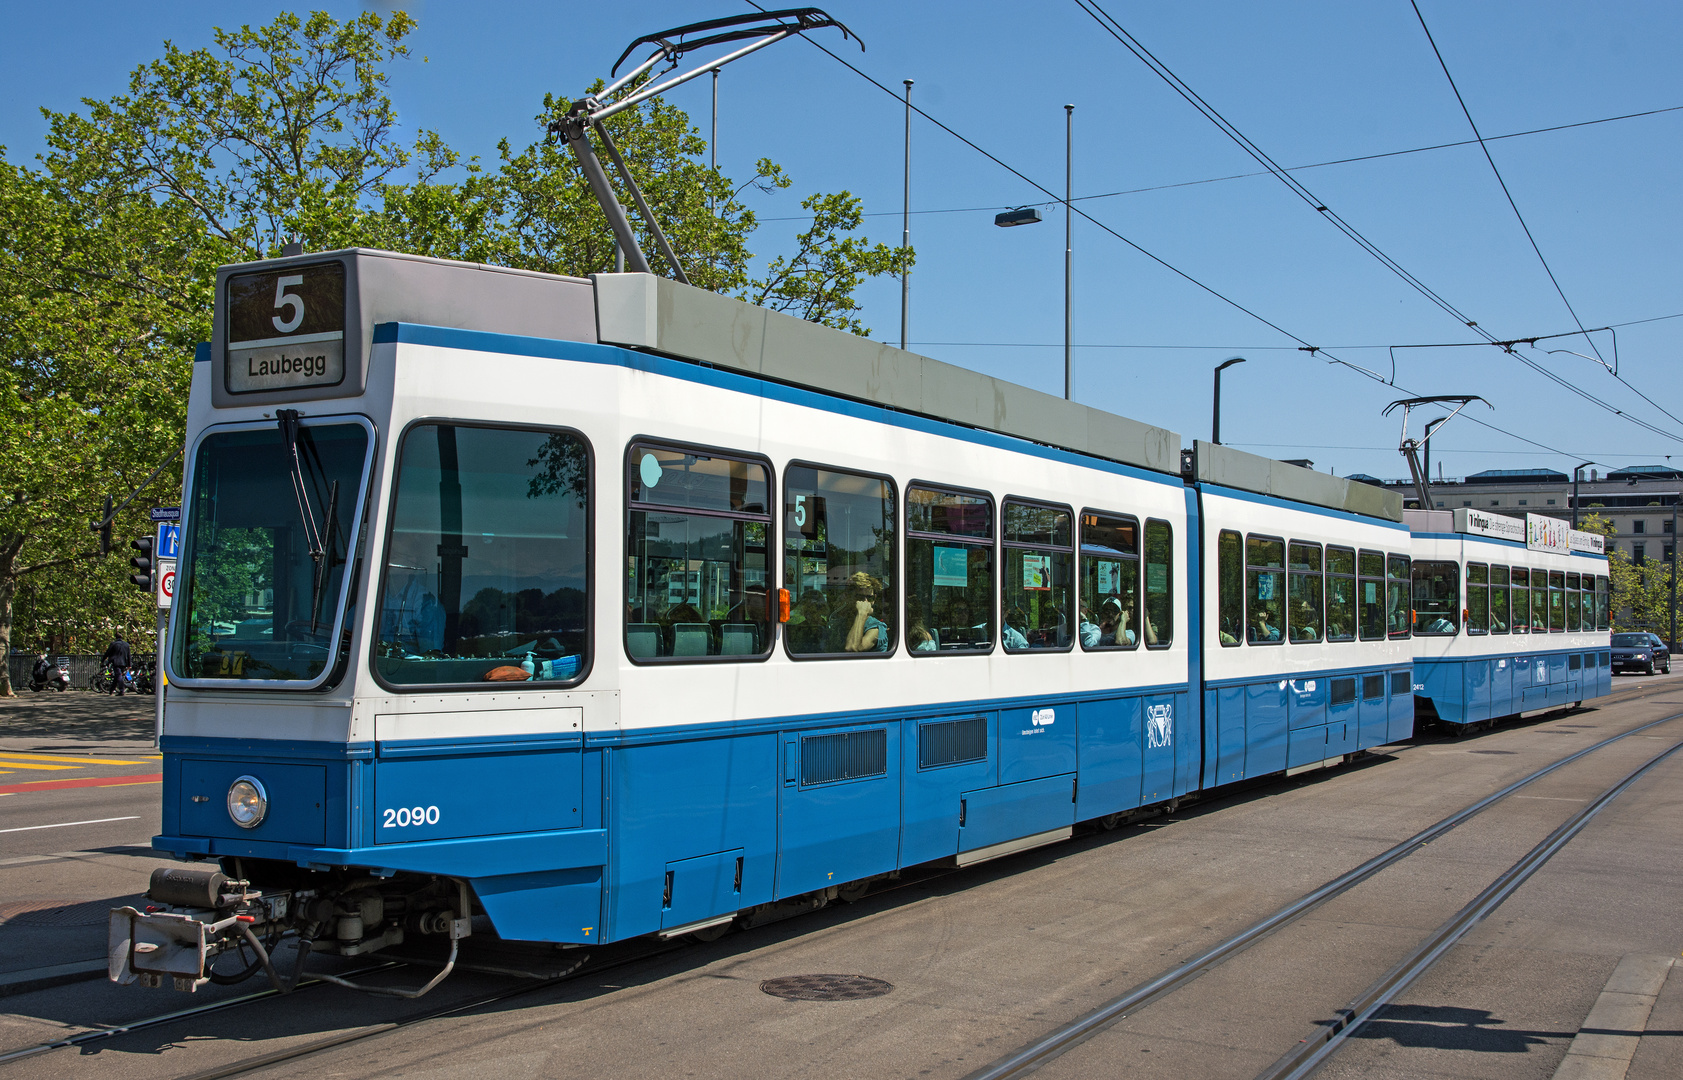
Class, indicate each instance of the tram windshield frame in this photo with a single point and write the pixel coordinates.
(226, 535)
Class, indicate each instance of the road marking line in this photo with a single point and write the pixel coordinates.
(10, 765)
(67, 824)
(31, 755)
(134, 850)
(88, 781)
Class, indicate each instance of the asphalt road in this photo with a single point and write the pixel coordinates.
(981, 960)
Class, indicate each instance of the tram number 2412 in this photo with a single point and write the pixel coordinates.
(404, 816)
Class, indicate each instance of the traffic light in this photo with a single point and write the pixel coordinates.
(142, 562)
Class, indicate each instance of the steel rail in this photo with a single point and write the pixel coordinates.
(1313, 1051)
(1042, 1050)
(85, 1037)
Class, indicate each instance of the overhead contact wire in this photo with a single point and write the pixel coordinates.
(1306, 346)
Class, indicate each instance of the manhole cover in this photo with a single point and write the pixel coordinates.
(826, 987)
(47, 913)
(1490, 751)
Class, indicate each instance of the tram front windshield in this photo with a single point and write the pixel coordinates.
(269, 533)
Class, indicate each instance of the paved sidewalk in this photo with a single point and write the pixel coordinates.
(77, 720)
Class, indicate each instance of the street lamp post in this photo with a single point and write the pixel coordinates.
(1577, 473)
(1069, 172)
(1672, 636)
(906, 219)
(1215, 417)
(1426, 443)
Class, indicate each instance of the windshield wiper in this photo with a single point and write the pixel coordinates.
(323, 539)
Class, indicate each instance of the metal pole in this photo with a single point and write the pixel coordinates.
(1215, 416)
(158, 682)
(1577, 474)
(1069, 170)
(906, 221)
(715, 119)
(1673, 635)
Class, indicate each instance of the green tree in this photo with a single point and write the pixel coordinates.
(1641, 592)
(108, 253)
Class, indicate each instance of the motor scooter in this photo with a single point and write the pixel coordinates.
(50, 676)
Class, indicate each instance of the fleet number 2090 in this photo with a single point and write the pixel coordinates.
(410, 815)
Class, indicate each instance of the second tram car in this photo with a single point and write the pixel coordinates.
(613, 607)
(1510, 616)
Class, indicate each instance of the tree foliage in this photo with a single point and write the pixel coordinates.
(109, 247)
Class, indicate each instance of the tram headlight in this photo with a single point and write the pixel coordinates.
(248, 803)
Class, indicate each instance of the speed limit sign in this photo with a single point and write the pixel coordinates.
(166, 582)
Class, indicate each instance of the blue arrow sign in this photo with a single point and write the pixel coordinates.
(169, 541)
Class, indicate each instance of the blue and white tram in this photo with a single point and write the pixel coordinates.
(1308, 655)
(612, 607)
(1509, 616)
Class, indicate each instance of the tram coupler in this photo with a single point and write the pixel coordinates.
(194, 915)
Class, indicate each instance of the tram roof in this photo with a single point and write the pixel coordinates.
(659, 315)
(1223, 465)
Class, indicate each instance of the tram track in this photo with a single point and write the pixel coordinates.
(1310, 1053)
(1041, 1051)
(84, 1038)
(1027, 1059)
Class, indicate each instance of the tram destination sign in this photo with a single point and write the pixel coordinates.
(1497, 526)
(285, 328)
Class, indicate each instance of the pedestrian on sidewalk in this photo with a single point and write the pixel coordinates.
(117, 655)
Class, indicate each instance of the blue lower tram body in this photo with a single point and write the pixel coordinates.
(1474, 690)
(620, 835)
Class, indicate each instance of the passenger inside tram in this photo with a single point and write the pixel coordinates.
(854, 627)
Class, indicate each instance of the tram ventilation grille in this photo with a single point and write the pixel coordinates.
(952, 741)
(846, 755)
(1401, 683)
(825, 987)
(1373, 687)
(1343, 691)
(1574, 662)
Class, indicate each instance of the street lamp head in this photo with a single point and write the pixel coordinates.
(1229, 362)
(1022, 215)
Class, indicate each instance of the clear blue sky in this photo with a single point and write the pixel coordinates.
(1308, 82)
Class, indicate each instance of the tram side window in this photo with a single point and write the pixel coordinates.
(1498, 599)
(1230, 587)
(1371, 594)
(1159, 584)
(1396, 595)
(838, 563)
(1574, 602)
(1110, 581)
(698, 551)
(1437, 597)
(1557, 601)
(1603, 592)
(1539, 601)
(1304, 613)
(1478, 598)
(485, 572)
(1521, 597)
(1265, 589)
(1039, 560)
(949, 570)
(1341, 594)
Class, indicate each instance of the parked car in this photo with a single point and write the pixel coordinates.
(1640, 652)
